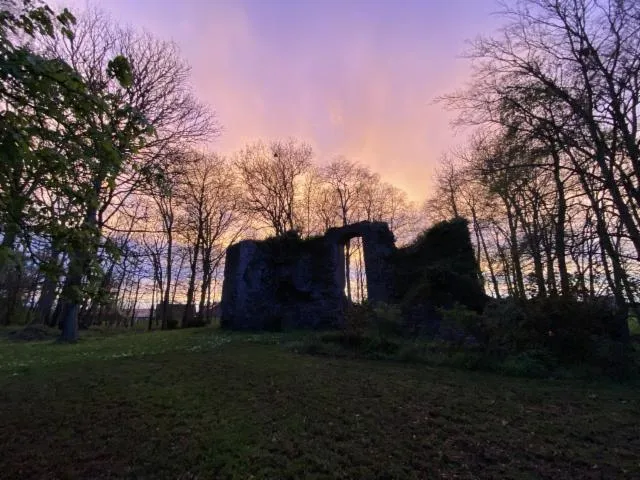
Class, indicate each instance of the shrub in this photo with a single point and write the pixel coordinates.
(448, 287)
(634, 325)
(172, 323)
(314, 345)
(380, 346)
(32, 333)
(357, 318)
(387, 320)
(616, 359)
(506, 329)
(468, 360)
(568, 331)
(439, 267)
(411, 353)
(460, 322)
(196, 322)
(570, 328)
(535, 364)
(345, 338)
(371, 331)
(273, 323)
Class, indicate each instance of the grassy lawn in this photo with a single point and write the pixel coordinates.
(202, 404)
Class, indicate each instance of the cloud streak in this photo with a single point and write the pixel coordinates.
(352, 78)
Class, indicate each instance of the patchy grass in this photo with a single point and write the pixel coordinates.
(203, 404)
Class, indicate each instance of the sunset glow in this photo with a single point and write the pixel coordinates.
(352, 78)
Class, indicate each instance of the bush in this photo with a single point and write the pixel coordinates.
(572, 329)
(568, 331)
(172, 323)
(387, 320)
(535, 364)
(439, 268)
(534, 338)
(34, 333)
(273, 323)
(314, 345)
(411, 353)
(345, 338)
(196, 323)
(380, 319)
(459, 322)
(357, 318)
(469, 360)
(380, 347)
(504, 323)
(616, 359)
(634, 325)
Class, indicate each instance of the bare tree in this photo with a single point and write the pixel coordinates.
(210, 202)
(271, 175)
(346, 182)
(565, 77)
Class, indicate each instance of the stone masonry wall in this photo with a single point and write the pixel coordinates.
(292, 283)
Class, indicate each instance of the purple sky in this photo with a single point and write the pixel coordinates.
(356, 78)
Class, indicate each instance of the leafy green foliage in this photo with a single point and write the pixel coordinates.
(541, 334)
(387, 320)
(533, 363)
(288, 247)
(439, 268)
(357, 318)
(634, 325)
(62, 135)
(463, 320)
(120, 69)
(567, 327)
(380, 319)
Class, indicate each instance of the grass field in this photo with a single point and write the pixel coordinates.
(203, 404)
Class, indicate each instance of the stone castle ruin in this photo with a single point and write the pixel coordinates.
(287, 282)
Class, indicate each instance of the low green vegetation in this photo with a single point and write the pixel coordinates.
(206, 404)
(634, 326)
(439, 268)
(550, 338)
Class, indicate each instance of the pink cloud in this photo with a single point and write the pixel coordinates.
(348, 81)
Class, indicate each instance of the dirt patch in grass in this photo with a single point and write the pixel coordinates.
(245, 408)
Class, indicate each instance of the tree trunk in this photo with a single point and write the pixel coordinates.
(192, 283)
(206, 282)
(135, 303)
(483, 243)
(10, 273)
(563, 273)
(71, 297)
(167, 287)
(518, 280)
(44, 309)
(177, 277)
(153, 305)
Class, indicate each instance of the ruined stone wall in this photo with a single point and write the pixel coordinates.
(379, 245)
(292, 283)
(274, 284)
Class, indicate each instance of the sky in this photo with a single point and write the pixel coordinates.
(354, 78)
